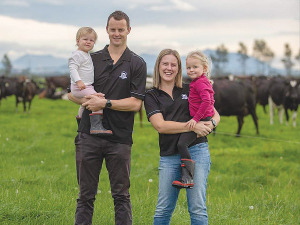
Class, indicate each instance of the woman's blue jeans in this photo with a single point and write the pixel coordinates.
(170, 170)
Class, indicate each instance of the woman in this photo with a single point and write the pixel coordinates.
(168, 111)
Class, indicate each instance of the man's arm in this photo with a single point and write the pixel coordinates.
(76, 100)
(127, 104)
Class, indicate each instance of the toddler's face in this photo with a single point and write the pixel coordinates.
(194, 68)
(86, 42)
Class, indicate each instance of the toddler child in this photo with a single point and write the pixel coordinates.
(201, 106)
(82, 76)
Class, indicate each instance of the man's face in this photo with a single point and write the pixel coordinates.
(117, 31)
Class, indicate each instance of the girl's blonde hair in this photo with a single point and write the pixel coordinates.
(156, 75)
(85, 30)
(205, 62)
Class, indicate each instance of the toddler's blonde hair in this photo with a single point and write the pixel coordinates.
(205, 62)
(85, 30)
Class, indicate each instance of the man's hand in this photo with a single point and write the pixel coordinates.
(80, 84)
(94, 103)
(191, 124)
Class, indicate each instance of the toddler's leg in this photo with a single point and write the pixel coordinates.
(184, 141)
(187, 164)
(96, 117)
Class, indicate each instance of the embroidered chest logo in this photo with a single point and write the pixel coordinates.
(123, 75)
(184, 96)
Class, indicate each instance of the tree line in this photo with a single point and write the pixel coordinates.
(261, 51)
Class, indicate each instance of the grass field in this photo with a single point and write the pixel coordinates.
(254, 179)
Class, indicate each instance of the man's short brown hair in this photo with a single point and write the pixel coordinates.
(119, 15)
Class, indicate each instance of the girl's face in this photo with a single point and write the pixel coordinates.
(168, 68)
(86, 42)
(194, 68)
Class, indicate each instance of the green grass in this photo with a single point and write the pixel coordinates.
(253, 180)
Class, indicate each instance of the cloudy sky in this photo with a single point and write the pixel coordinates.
(50, 26)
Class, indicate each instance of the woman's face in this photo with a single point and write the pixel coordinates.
(168, 68)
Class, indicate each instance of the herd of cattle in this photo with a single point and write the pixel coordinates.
(240, 95)
(234, 96)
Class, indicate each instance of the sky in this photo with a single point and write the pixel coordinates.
(49, 27)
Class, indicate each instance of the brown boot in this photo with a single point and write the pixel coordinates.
(187, 174)
(97, 127)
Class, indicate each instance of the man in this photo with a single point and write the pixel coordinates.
(120, 75)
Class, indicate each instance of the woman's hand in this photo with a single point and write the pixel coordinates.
(201, 129)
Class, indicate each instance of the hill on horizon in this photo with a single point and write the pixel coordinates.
(48, 65)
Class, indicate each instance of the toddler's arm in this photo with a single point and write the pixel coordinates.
(191, 124)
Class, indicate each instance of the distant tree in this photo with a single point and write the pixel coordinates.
(258, 49)
(243, 56)
(220, 59)
(297, 57)
(7, 65)
(268, 57)
(287, 60)
(264, 55)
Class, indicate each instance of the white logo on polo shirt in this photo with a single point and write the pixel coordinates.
(123, 75)
(184, 96)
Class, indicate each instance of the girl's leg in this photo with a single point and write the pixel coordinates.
(184, 141)
(169, 170)
(187, 165)
(89, 90)
(197, 196)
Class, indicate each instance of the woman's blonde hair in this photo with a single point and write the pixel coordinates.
(85, 30)
(156, 75)
(205, 62)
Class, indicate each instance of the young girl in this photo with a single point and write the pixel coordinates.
(201, 106)
(82, 76)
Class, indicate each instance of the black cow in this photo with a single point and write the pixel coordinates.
(58, 81)
(284, 95)
(26, 90)
(262, 91)
(52, 83)
(235, 98)
(7, 86)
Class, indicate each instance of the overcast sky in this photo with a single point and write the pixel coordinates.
(50, 26)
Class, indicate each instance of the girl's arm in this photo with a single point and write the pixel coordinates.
(203, 91)
(172, 127)
(74, 63)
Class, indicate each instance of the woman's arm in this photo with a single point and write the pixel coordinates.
(172, 127)
(216, 117)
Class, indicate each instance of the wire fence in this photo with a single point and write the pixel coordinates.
(245, 136)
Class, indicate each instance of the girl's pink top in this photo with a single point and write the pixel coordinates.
(201, 98)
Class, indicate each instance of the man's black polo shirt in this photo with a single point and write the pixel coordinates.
(126, 78)
(176, 109)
